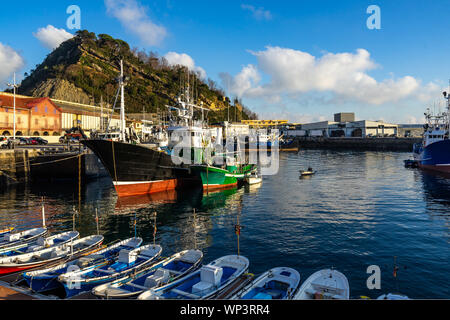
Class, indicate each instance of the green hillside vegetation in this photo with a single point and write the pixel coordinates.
(90, 64)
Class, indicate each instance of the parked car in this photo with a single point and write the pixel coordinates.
(4, 142)
(39, 140)
(31, 141)
(72, 138)
(20, 140)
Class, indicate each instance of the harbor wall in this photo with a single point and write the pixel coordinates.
(29, 164)
(363, 144)
(15, 166)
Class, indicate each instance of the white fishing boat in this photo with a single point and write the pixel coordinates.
(277, 283)
(127, 263)
(159, 274)
(47, 279)
(324, 284)
(204, 283)
(253, 178)
(12, 239)
(393, 296)
(40, 243)
(49, 255)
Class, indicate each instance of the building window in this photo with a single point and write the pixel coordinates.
(46, 109)
(35, 109)
(36, 121)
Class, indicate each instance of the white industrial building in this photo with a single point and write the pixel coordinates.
(88, 117)
(361, 128)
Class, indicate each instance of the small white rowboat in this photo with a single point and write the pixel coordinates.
(324, 284)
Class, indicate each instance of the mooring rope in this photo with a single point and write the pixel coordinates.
(114, 160)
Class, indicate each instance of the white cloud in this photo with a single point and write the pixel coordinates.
(243, 83)
(51, 37)
(183, 59)
(343, 74)
(134, 18)
(258, 13)
(10, 62)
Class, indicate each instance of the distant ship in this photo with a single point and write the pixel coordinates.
(434, 151)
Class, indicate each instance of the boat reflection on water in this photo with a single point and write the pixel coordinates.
(254, 188)
(216, 199)
(436, 186)
(131, 203)
(195, 199)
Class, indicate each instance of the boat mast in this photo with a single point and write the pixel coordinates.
(122, 103)
(448, 112)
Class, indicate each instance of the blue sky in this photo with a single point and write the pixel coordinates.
(296, 60)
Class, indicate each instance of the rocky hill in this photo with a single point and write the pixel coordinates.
(84, 69)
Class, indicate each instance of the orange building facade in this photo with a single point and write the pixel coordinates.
(34, 116)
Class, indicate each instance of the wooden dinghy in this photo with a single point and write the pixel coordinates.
(308, 172)
(40, 243)
(277, 283)
(161, 273)
(128, 262)
(49, 255)
(8, 240)
(324, 284)
(253, 178)
(47, 279)
(204, 283)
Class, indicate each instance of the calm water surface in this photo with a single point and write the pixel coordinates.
(360, 209)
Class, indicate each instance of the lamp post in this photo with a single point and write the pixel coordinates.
(14, 86)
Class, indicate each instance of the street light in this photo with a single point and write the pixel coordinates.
(14, 86)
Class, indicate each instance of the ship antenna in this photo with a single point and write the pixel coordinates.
(122, 103)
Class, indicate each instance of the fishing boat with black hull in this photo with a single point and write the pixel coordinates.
(138, 168)
(434, 151)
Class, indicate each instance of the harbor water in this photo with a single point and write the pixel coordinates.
(359, 209)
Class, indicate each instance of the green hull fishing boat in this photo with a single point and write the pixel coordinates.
(240, 171)
(213, 177)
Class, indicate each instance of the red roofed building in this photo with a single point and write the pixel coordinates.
(34, 116)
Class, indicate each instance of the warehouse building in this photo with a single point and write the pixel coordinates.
(410, 130)
(88, 117)
(51, 117)
(360, 128)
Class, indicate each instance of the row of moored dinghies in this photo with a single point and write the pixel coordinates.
(127, 269)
